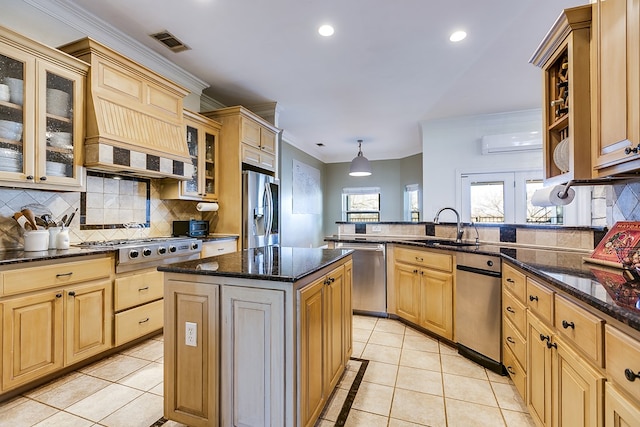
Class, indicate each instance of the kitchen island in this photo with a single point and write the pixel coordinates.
(257, 337)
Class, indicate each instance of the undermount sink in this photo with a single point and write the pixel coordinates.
(443, 242)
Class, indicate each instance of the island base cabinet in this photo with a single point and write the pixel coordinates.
(619, 411)
(191, 335)
(253, 362)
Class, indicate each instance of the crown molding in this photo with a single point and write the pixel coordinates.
(92, 26)
(208, 103)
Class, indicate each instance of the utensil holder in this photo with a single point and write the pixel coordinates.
(36, 240)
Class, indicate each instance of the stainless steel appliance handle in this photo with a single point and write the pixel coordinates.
(269, 210)
(364, 247)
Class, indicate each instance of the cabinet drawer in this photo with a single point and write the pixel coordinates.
(516, 372)
(581, 328)
(518, 345)
(514, 282)
(622, 354)
(138, 321)
(515, 312)
(138, 289)
(434, 260)
(67, 273)
(540, 300)
(218, 248)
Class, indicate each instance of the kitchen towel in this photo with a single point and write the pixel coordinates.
(207, 207)
(549, 196)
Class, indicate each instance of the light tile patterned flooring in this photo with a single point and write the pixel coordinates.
(411, 380)
(415, 380)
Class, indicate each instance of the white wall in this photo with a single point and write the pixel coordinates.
(451, 146)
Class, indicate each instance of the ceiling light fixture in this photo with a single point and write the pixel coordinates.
(360, 165)
(458, 36)
(326, 30)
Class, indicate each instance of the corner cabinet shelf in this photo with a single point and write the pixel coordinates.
(564, 56)
(42, 122)
(202, 135)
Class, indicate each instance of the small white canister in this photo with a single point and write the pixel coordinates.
(53, 234)
(36, 240)
(62, 239)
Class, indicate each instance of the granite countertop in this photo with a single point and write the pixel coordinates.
(282, 264)
(20, 256)
(214, 237)
(612, 291)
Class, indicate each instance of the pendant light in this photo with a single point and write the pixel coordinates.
(360, 164)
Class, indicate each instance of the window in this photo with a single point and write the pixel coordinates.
(505, 197)
(412, 202)
(361, 204)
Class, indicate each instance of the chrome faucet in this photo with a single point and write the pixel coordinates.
(459, 230)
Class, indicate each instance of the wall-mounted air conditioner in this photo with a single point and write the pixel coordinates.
(511, 143)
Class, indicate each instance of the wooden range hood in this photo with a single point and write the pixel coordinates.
(134, 123)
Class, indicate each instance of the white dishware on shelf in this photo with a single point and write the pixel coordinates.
(4, 93)
(61, 139)
(16, 90)
(561, 155)
(10, 130)
(56, 169)
(58, 102)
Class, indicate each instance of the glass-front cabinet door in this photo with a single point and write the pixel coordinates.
(202, 141)
(41, 115)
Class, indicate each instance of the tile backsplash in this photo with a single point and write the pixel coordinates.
(106, 199)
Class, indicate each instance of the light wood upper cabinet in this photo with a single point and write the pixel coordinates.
(564, 56)
(42, 122)
(616, 109)
(202, 135)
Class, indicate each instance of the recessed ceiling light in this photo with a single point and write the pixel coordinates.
(457, 36)
(326, 30)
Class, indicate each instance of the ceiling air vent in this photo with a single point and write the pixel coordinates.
(170, 41)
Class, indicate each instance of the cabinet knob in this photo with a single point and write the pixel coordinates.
(72, 293)
(633, 150)
(533, 298)
(552, 344)
(29, 177)
(566, 324)
(415, 271)
(58, 295)
(43, 178)
(545, 337)
(630, 375)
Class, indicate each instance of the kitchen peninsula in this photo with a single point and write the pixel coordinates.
(257, 337)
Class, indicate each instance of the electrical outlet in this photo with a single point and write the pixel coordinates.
(191, 334)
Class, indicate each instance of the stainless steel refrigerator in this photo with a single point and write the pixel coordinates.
(260, 199)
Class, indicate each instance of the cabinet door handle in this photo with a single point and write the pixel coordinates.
(633, 150)
(29, 177)
(533, 298)
(566, 324)
(552, 344)
(510, 370)
(220, 249)
(143, 321)
(419, 259)
(545, 337)
(58, 295)
(510, 310)
(72, 293)
(64, 274)
(510, 280)
(143, 289)
(415, 271)
(511, 340)
(43, 178)
(630, 375)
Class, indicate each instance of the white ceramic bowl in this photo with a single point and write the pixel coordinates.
(4, 93)
(61, 139)
(58, 102)
(16, 90)
(56, 169)
(10, 130)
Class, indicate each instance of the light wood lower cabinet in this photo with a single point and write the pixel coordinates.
(423, 283)
(322, 325)
(619, 410)
(32, 337)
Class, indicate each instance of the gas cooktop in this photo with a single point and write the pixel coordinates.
(130, 242)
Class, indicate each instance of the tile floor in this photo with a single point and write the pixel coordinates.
(411, 380)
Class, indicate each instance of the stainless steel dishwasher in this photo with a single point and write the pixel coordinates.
(478, 309)
(369, 277)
